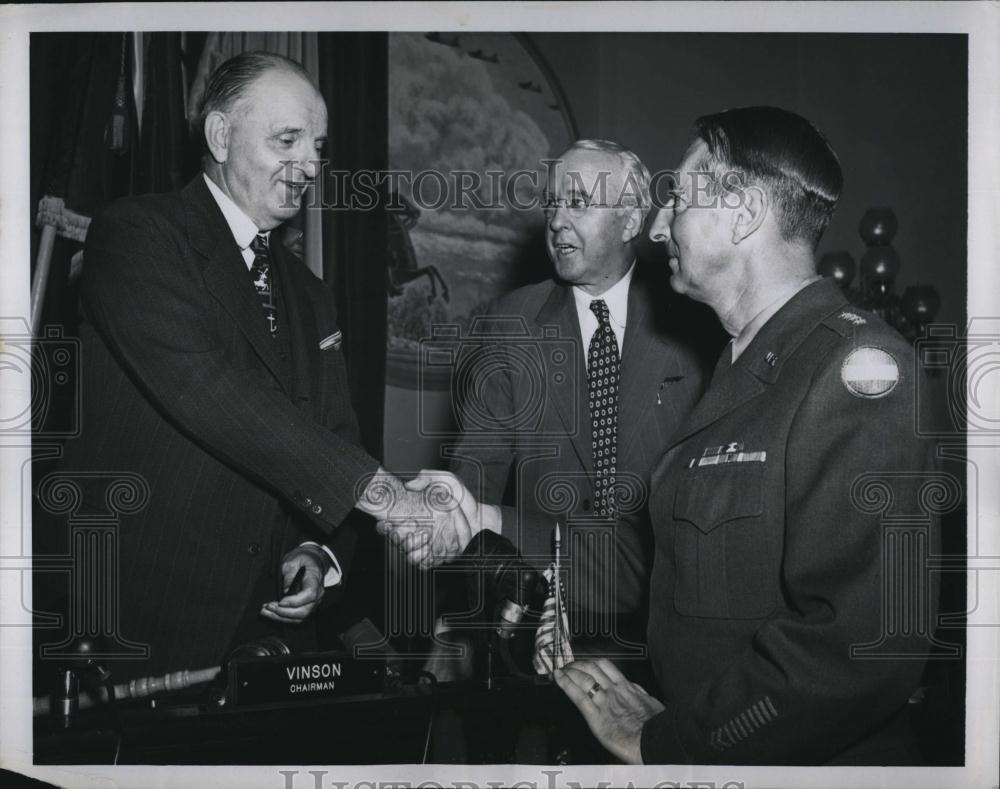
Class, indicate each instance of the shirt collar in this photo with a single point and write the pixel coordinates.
(240, 224)
(616, 297)
(740, 343)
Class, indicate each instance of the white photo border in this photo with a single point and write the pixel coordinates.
(979, 20)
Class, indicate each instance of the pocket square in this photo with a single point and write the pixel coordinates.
(333, 341)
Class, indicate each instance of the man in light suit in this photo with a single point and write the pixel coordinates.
(546, 438)
(213, 375)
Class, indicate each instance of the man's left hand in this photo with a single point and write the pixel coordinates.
(615, 708)
(293, 608)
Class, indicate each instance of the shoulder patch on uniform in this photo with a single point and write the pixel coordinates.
(869, 372)
(852, 317)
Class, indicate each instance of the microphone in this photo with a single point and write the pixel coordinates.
(365, 641)
(268, 646)
(516, 587)
(511, 590)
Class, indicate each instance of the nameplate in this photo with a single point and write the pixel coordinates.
(290, 678)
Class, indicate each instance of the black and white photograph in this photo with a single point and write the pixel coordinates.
(500, 394)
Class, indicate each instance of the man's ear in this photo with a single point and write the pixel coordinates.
(217, 136)
(633, 225)
(749, 215)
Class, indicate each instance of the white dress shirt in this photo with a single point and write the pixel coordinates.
(244, 231)
(616, 297)
(243, 227)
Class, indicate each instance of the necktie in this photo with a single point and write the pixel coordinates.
(603, 368)
(261, 272)
(552, 649)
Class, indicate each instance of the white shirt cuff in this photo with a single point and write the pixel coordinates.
(492, 515)
(334, 574)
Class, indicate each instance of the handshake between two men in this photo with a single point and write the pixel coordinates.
(430, 519)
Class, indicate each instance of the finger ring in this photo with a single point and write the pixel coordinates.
(594, 690)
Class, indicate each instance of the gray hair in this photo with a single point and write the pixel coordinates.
(232, 79)
(638, 177)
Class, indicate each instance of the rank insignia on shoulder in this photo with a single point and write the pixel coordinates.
(852, 317)
(333, 341)
(869, 372)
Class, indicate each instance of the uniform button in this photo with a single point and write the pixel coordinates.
(316, 510)
(586, 504)
(307, 502)
(253, 548)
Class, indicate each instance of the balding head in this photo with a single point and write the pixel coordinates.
(264, 123)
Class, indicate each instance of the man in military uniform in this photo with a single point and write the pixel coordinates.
(768, 564)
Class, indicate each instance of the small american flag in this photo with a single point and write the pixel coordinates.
(552, 643)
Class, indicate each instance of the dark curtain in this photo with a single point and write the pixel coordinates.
(87, 151)
(74, 79)
(79, 159)
(354, 81)
(168, 157)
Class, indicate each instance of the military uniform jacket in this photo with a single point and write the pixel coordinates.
(527, 430)
(245, 445)
(769, 551)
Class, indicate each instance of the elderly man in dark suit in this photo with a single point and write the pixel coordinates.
(213, 371)
(575, 439)
(772, 568)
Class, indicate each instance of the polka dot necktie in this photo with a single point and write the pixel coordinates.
(602, 383)
(261, 273)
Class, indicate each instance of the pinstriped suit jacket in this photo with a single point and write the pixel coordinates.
(247, 445)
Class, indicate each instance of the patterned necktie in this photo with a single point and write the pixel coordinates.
(261, 272)
(603, 368)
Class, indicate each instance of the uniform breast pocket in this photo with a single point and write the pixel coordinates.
(726, 556)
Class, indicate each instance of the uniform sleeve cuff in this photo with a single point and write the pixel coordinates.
(660, 742)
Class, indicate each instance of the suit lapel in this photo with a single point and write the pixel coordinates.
(295, 314)
(647, 360)
(570, 402)
(731, 387)
(225, 273)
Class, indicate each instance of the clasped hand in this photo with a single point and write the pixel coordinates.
(430, 519)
